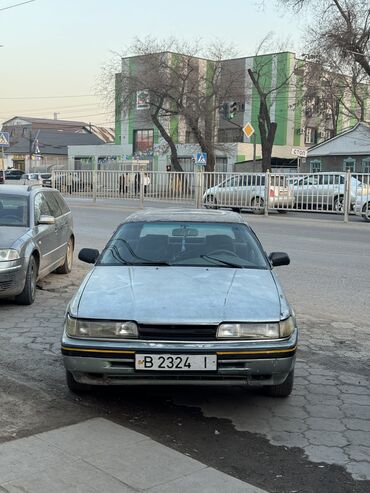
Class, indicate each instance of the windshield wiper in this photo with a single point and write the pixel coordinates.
(225, 262)
(143, 261)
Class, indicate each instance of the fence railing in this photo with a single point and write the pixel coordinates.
(339, 193)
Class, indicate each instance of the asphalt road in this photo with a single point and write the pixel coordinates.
(317, 440)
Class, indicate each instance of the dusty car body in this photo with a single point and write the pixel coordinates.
(36, 238)
(181, 297)
(249, 191)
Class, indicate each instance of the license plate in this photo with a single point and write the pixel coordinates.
(176, 362)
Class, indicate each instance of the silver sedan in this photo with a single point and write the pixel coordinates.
(181, 297)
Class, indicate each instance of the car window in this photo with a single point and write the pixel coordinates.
(41, 207)
(13, 210)
(55, 210)
(184, 244)
(231, 182)
(62, 203)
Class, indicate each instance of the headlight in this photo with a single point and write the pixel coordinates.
(268, 330)
(287, 326)
(7, 254)
(100, 328)
(248, 331)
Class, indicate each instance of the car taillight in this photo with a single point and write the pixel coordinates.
(272, 193)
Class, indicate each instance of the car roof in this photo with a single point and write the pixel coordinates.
(193, 215)
(19, 189)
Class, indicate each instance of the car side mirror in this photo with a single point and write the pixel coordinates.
(88, 255)
(279, 258)
(44, 219)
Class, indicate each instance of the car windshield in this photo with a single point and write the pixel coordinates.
(229, 245)
(13, 210)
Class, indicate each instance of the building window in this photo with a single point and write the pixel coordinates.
(190, 138)
(366, 165)
(229, 135)
(186, 163)
(221, 164)
(311, 135)
(315, 166)
(143, 141)
(349, 164)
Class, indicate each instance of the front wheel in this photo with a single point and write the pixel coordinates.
(281, 390)
(28, 295)
(66, 267)
(366, 212)
(210, 202)
(339, 204)
(258, 205)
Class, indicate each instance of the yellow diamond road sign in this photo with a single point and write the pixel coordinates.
(248, 130)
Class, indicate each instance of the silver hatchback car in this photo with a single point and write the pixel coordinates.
(181, 297)
(36, 238)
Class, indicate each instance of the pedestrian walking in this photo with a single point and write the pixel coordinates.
(146, 182)
(137, 183)
(122, 185)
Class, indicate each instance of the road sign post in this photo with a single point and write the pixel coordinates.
(200, 163)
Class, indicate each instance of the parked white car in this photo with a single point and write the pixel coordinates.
(34, 178)
(324, 191)
(248, 191)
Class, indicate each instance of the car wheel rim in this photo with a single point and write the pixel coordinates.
(210, 202)
(339, 206)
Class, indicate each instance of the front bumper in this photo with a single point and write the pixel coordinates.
(238, 362)
(12, 277)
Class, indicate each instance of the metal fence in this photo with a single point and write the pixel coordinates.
(339, 193)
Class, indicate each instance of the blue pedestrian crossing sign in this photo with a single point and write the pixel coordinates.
(4, 139)
(201, 159)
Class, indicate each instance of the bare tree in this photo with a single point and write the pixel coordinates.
(267, 91)
(343, 28)
(330, 94)
(179, 84)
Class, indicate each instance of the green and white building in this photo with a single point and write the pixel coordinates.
(296, 126)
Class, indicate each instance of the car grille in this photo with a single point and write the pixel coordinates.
(178, 332)
(6, 281)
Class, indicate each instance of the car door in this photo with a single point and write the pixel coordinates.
(61, 225)
(45, 235)
(227, 190)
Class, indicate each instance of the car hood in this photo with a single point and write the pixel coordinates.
(10, 234)
(178, 295)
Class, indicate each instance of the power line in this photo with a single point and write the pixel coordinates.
(52, 97)
(16, 5)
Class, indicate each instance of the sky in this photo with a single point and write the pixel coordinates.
(53, 51)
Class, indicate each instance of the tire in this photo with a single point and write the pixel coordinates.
(210, 202)
(66, 267)
(258, 205)
(366, 212)
(28, 295)
(76, 387)
(283, 389)
(339, 204)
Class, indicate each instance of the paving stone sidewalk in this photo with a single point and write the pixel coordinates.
(100, 456)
